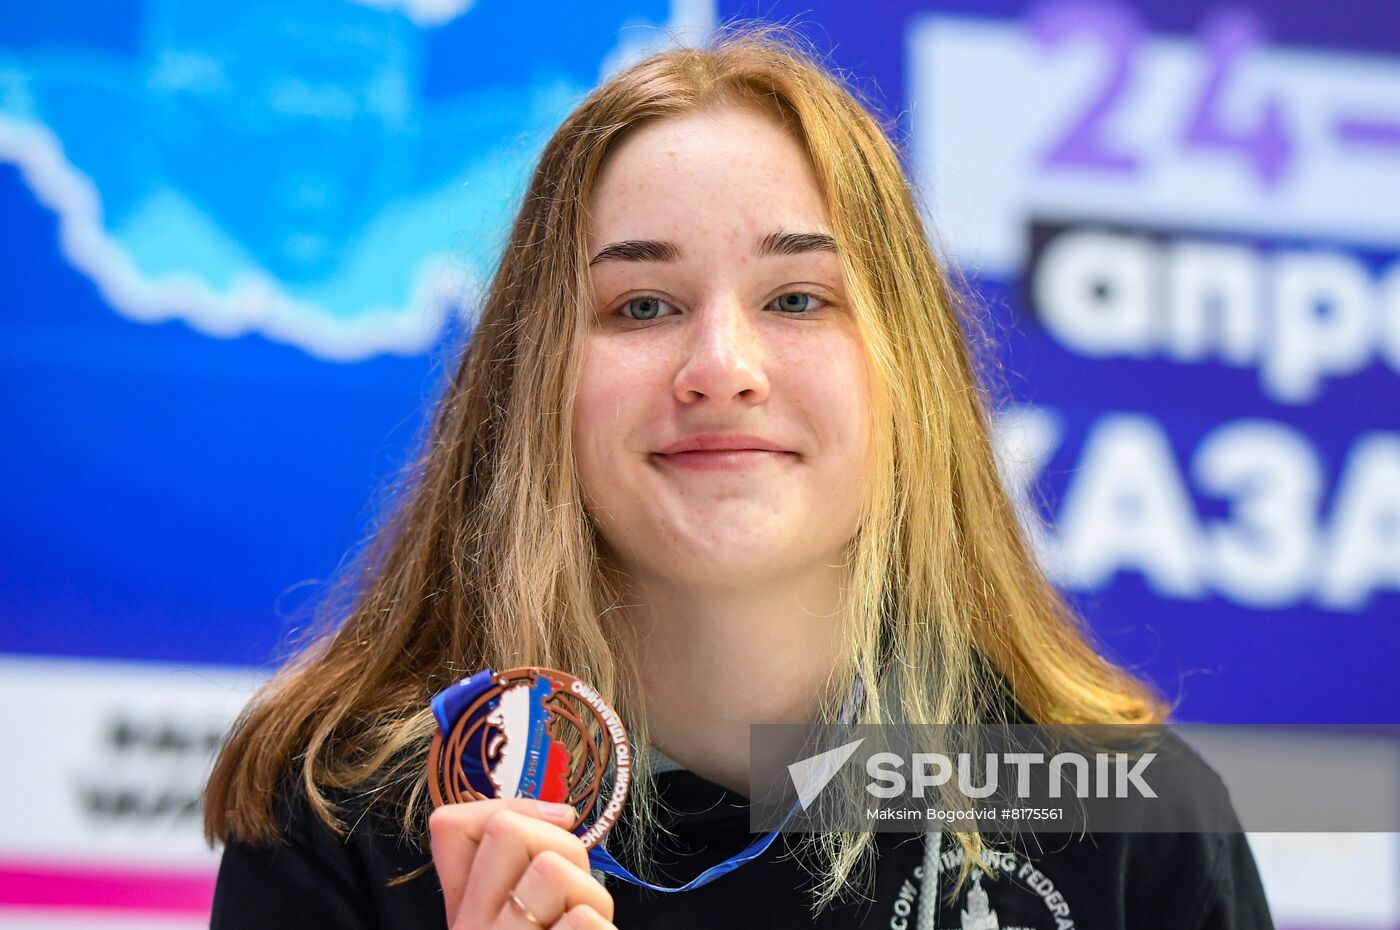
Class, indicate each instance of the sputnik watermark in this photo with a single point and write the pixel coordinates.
(1116, 775)
(1072, 774)
(814, 773)
(1069, 778)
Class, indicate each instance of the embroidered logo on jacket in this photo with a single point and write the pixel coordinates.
(1020, 881)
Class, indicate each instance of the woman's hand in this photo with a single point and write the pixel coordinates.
(485, 851)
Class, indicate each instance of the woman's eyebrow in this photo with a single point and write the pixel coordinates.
(655, 250)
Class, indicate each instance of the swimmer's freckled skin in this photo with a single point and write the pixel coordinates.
(720, 357)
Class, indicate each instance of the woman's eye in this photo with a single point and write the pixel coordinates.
(651, 308)
(797, 302)
(644, 308)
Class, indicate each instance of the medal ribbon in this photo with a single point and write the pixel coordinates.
(450, 703)
(603, 861)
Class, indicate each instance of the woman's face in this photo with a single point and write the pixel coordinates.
(721, 426)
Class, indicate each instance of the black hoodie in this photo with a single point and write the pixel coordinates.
(1117, 881)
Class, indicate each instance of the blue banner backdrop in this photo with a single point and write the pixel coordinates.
(241, 240)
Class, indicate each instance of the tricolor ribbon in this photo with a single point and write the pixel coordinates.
(538, 770)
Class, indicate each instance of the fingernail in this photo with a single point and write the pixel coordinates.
(556, 811)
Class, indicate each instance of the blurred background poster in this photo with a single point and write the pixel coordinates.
(239, 241)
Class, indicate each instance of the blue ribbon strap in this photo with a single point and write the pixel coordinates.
(602, 860)
(449, 704)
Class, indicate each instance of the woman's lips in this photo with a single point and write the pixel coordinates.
(723, 459)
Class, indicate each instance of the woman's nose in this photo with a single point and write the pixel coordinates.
(723, 357)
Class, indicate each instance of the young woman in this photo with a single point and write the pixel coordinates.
(717, 447)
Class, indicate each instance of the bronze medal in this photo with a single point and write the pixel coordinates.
(531, 732)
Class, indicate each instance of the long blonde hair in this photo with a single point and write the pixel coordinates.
(490, 558)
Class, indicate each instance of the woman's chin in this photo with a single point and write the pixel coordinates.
(728, 562)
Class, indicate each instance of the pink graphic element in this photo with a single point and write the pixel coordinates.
(32, 884)
(1358, 131)
(1229, 37)
(1119, 31)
